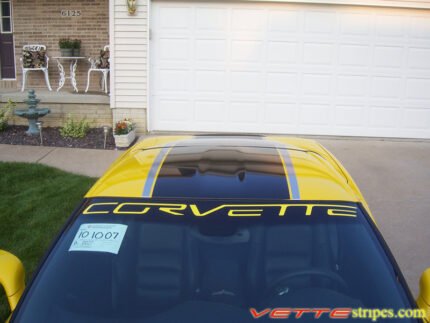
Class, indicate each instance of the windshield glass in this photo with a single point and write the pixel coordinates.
(207, 261)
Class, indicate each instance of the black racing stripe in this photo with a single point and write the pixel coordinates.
(222, 169)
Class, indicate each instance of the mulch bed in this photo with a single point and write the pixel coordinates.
(15, 135)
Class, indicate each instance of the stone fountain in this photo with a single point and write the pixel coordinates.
(32, 113)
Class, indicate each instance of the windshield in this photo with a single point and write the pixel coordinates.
(205, 261)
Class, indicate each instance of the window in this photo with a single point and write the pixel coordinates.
(170, 268)
(6, 16)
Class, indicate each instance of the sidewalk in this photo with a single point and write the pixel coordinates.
(89, 162)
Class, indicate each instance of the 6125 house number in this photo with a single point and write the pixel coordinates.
(70, 13)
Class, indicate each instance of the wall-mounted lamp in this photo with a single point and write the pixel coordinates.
(131, 6)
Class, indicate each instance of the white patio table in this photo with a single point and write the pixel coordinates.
(73, 65)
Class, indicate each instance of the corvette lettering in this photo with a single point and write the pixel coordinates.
(231, 210)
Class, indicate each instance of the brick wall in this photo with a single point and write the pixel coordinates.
(40, 22)
(97, 114)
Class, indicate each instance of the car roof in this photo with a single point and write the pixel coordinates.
(227, 166)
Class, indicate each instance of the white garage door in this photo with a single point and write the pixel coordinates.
(290, 68)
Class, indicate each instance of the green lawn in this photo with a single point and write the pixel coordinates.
(35, 202)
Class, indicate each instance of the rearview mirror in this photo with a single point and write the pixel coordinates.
(423, 300)
(11, 277)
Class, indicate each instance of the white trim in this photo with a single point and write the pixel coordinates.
(13, 38)
(112, 52)
(148, 67)
(410, 4)
(368, 3)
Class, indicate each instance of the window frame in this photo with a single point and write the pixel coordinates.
(2, 17)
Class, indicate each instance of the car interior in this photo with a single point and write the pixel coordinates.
(202, 272)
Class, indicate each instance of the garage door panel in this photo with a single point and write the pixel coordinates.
(245, 82)
(352, 85)
(282, 83)
(209, 111)
(211, 50)
(173, 80)
(355, 24)
(281, 113)
(290, 68)
(244, 112)
(386, 87)
(176, 49)
(282, 52)
(349, 116)
(417, 88)
(212, 19)
(315, 114)
(320, 22)
(356, 55)
(317, 84)
(416, 119)
(247, 51)
(390, 26)
(389, 56)
(385, 117)
(318, 53)
(211, 81)
(243, 19)
(174, 17)
(418, 58)
(174, 110)
(283, 21)
(419, 27)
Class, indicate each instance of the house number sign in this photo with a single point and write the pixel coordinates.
(70, 13)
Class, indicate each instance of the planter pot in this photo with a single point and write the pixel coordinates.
(76, 52)
(124, 141)
(66, 52)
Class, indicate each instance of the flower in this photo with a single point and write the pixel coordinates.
(123, 127)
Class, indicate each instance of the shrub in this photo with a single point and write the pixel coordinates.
(65, 43)
(5, 113)
(76, 43)
(75, 129)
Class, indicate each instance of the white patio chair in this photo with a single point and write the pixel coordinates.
(31, 55)
(101, 65)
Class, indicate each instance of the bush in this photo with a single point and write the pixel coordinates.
(5, 113)
(76, 43)
(75, 129)
(65, 43)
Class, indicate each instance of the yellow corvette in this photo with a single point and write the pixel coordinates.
(218, 229)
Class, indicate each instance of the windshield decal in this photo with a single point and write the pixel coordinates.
(230, 210)
(99, 237)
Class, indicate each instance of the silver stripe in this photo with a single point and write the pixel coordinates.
(153, 172)
(294, 186)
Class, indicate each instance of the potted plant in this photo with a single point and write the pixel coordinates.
(76, 47)
(66, 47)
(124, 133)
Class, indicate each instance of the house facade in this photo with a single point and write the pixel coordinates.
(321, 67)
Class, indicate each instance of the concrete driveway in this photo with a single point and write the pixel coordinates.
(394, 177)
